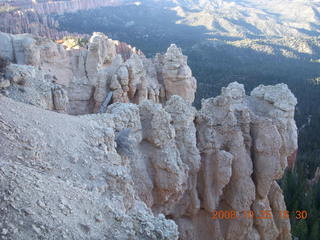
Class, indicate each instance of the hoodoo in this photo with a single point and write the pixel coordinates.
(99, 145)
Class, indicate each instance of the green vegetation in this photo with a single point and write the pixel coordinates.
(300, 194)
(75, 42)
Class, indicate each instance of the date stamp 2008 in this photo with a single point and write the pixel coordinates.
(263, 214)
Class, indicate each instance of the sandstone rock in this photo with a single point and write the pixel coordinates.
(167, 165)
(78, 63)
(67, 191)
(54, 60)
(103, 82)
(26, 50)
(183, 116)
(122, 174)
(90, 74)
(177, 75)
(80, 92)
(101, 51)
(277, 204)
(279, 96)
(29, 85)
(222, 140)
(126, 50)
(6, 50)
(35, 17)
(120, 84)
(60, 99)
(170, 173)
(20, 74)
(280, 109)
(266, 226)
(266, 150)
(224, 125)
(4, 83)
(137, 79)
(44, 53)
(157, 128)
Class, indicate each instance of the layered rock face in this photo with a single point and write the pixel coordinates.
(36, 17)
(62, 6)
(30, 21)
(148, 166)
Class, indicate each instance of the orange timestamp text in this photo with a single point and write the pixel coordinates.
(262, 214)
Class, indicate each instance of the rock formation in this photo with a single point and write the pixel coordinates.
(177, 75)
(30, 21)
(61, 178)
(151, 166)
(37, 17)
(61, 6)
(88, 74)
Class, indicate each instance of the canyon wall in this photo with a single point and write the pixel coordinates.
(29, 21)
(138, 161)
(86, 75)
(35, 17)
(61, 6)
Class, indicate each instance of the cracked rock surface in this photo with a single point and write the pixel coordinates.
(152, 166)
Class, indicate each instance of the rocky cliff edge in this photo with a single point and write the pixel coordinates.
(138, 161)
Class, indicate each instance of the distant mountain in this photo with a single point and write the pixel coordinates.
(223, 18)
(252, 18)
